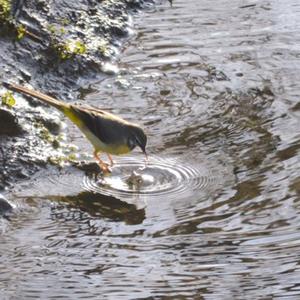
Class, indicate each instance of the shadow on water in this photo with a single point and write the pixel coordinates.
(97, 206)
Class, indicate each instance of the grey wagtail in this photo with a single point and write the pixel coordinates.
(107, 133)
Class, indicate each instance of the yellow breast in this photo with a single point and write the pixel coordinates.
(117, 149)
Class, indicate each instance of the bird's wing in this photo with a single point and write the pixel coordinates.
(107, 127)
(104, 113)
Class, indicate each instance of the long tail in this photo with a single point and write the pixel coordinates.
(45, 98)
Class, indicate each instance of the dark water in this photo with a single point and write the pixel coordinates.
(216, 85)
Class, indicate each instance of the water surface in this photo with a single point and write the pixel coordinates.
(216, 85)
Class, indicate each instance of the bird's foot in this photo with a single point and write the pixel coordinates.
(105, 168)
(110, 160)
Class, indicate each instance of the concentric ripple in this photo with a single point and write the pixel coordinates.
(160, 177)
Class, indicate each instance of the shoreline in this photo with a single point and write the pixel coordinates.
(63, 49)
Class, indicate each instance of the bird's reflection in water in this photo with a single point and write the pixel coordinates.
(99, 206)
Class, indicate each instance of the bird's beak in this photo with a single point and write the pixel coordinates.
(144, 151)
(142, 147)
(146, 155)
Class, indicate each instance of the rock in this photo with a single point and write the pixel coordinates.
(66, 44)
(5, 206)
(9, 123)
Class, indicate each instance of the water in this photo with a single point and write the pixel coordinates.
(216, 86)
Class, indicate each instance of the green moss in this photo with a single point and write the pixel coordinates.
(8, 99)
(56, 160)
(65, 21)
(5, 9)
(64, 155)
(72, 157)
(52, 29)
(70, 48)
(56, 144)
(103, 48)
(61, 160)
(78, 47)
(21, 31)
(46, 135)
(56, 30)
(9, 26)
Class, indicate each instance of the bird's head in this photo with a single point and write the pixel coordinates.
(138, 138)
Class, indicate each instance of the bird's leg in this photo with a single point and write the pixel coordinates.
(104, 166)
(110, 159)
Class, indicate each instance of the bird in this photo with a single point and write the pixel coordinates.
(106, 132)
